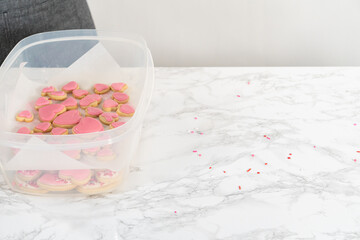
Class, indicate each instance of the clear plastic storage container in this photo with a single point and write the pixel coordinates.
(53, 59)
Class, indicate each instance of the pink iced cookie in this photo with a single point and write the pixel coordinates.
(88, 125)
(59, 131)
(91, 100)
(109, 105)
(79, 93)
(76, 176)
(70, 103)
(125, 110)
(24, 130)
(43, 127)
(57, 95)
(41, 102)
(107, 176)
(108, 117)
(100, 88)
(28, 175)
(28, 186)
(105, 154)
(120, 98)
(70, 86)
(46, 90)
(93, 112)
(67, 119)
(25, 116)
(50, 112)
(51, 182)
(119, 87)
(96, 187)
(116, 124)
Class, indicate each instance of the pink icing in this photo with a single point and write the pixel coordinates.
(28, 173)
(88, 125)
(80, 92)
(105, 152)
(57, 93)
(100, 87)
(77, 174)
(30, 184)
(86, 101)
(25, 114)
(109, 103)
(68, 118)
(47, 113)
(24, 130)
(117, 86)
(58, 131)
(42, 101)
(48, 89)
(53, 179)
(106, 173)
(120, 96)
(93, 111)
(70, 102)
(70, 86)
(117, 124)
(43, 126)
(126, 108)
(109, 116)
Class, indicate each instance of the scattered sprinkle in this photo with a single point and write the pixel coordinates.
(210, 167)
(248, 82)
(192, 131)
(224, 171)
(194, 150)
(290, 154)
(264, 135)
(355, 160)
(253, 155)
(201, 133)
(200, 155)
(358, 151)
(258, 172)
(174, 211)
(195, 118)
(314, 146)
(239, 187)
(238, 95)
(355, 124)
(289, 157)
(266, 163)
(268, 138)
(248, 170)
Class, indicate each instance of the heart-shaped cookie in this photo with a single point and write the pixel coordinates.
(59, 131)
(120, 98)
(108, 176)
(70, 103)
(46, 90)
(76, 176)
(88, 125)
(52, 182)
(96, 187)
(57, 95)
(119, 87)
(91, 100)
(28, 175)
(79, 93)
(43, 127)
(101, 88)
(28, 186)
(116, 124)
(50, 112)
(25, 116)
(41, 102)
(108, 117)
(24, 130)
(125, 110)
(70, 86)
(109, 105)
(67, 119)
(93, 112)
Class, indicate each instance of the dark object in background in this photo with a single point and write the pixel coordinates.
(22, 18)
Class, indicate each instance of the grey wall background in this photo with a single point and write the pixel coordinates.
(239, 32)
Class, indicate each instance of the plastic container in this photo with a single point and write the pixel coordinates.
(53, 59)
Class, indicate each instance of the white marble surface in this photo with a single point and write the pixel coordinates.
(172, 193)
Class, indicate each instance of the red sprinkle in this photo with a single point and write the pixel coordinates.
(358, 151)
(224, 171)
(210, 167)
(239, 187)
(248, 170)
(264, 135)
(266, 163)
(289, 157)
(355, 160)
(290, 154)
(258, 172)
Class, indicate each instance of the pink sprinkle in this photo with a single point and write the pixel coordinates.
(355, 160)
(201, 133)
(253, 155)
(290, 154)
(268, 138)
(210, 167)
(195, 118)
(264, 135)
(192, 131)
(354, 124)
(314, 146)
(200, 155)
(238, 95)
(174, 211)
(194, 151)
(248, 82)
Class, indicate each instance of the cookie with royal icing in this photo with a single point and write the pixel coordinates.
(50, 112)
(76, 176)
(108, 176)
(116, 124)
(92, 100)
(93, 112)
(108, 117)
(59, 131)
(96, 187)
(70, 103)
(91, 151)
(57, 95)
(105, 154)
(28, 186)
(120, 98)
(25, 116)
(109, 105)
(119, 87)
(70, 86)
(24, 130)
(46, 90)
(88, 125)
(125, 110)
(52, 182)
(67, 119)
(28, 175)
(41, 102)
(101, 88)
(43, 127)
(80, 93)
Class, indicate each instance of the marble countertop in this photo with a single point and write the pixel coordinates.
(226, 153)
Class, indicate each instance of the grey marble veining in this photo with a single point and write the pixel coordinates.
(173, 193)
